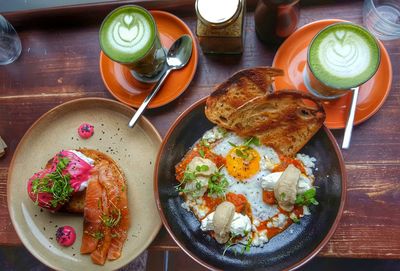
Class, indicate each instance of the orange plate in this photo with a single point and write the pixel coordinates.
(292, 58)
(125, 88)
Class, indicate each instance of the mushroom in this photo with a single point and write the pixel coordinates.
(198, 163)
(286, 188)
(197, 188)
(203, 169)
(222, 221)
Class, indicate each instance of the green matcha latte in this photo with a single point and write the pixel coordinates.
(128, 35)
(343, 55)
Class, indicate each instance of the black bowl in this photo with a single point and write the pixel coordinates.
(288, 250)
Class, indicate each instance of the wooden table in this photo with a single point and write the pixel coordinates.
(60, 62)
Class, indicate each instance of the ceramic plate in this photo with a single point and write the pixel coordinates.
(133, 149)
(288, 250)
(125, 88)
(292, 58)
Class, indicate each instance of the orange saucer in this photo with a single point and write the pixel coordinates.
(125, 88)
(292, 58)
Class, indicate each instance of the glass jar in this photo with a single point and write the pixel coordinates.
(220, 25)
(275, 20)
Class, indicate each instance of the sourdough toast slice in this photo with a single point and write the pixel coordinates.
(237, 90)
(76, 204)
(285, 120)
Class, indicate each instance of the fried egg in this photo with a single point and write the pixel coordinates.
(245, 168)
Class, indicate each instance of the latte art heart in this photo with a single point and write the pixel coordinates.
(343, 50)
(128, 19)
(128, 34)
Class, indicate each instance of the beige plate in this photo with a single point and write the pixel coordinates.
(134, 150)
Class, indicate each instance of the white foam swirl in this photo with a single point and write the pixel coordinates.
(129, 33)
(344, 54)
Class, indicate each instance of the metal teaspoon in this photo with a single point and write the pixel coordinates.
(177, 57)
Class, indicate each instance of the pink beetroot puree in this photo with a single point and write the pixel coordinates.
(86, 130)
(78, 169)
(65, 236)
(51, 190)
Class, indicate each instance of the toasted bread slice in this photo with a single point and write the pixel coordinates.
(76, 203)
(285, 120)
(237, 90)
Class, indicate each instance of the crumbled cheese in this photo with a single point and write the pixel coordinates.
(259, 239)
(214, 134)
(303, 184)
(200, 211)
(240, 225)
(266, 163)
(308, 163)
(279, 221)
(256, 222)
(185, 206)
(207, 223)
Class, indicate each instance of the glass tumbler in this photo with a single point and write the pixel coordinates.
(382, 18)
(10, 44)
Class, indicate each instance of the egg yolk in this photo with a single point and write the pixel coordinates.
(242, 162)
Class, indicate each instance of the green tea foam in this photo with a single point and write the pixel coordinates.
(344, 55)
(127, 34)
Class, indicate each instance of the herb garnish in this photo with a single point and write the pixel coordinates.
(204, 143)
(243, 151)
(252, 140)
(202, 168)
(98, 235)
(55, 183)
(307, 198)
(230, 243)
(222, 131)
(113, 219)
(217, 184)
(246, 248)
(202, 154)
(294, 218)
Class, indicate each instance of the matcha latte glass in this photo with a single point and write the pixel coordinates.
(341, 56)
(129, 35)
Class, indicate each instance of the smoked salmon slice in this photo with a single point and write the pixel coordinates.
(113, 182)
(99, 255)
(91, 216)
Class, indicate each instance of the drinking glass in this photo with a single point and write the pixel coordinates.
(382, 18)
(10, 44)
(338, 56)
(129, 36)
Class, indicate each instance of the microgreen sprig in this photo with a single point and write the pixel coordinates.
(307, 198)
(56, 183)
(217, 184)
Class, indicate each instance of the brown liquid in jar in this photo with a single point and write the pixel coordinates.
(275, 20)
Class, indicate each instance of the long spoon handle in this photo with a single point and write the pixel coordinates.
(350, 120)
(146, 101)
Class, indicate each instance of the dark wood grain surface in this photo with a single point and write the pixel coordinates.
(60, 61)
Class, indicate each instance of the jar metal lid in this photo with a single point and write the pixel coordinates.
(218, 12)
